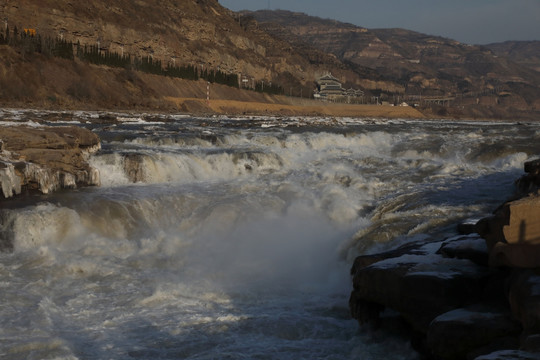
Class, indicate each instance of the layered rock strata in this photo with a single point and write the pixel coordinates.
(513, 232)
(46, 158)
(474, 296)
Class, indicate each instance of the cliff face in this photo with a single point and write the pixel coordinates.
(162, 29)
(195, 32)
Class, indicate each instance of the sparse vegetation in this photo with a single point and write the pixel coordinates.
(269, 88)
(31, 43)
(94, 55)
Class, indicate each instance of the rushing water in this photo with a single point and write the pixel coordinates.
(223, 238)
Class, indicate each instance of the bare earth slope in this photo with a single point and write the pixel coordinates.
(194, 32)
(525, 53)
(63, 84)
(414, 63)
(287, 49)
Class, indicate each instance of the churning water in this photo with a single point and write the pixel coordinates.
(224, 238)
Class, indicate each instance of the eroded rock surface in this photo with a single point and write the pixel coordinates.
(46, 158)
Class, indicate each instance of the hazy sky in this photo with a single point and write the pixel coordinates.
(468, 21)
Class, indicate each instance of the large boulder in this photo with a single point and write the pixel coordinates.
(515, 255)
(513, 233)
(472, 247)
(459, 333)
(530, 182)
(523, 221)
(420, 284)
(524, 299)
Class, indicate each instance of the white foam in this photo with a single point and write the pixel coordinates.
(44, 224)
(513, 161)
(111, 169)
(233, 242)
(137, 121)
(29, 123)
(9, 181)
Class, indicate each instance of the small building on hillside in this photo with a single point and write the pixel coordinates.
(329, 88)
(354, 92)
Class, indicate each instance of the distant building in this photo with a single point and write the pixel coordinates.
(354, 92)
(330, 88)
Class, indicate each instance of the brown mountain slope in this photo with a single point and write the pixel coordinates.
(195, 32)
(187, 31)
(287, 49)
(56, 83)
(419, 64)
(525, 53)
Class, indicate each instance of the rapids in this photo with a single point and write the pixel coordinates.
(232, 238)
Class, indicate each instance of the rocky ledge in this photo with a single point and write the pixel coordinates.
(46, 158)
(473, 296)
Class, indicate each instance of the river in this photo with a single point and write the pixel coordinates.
(232, 238)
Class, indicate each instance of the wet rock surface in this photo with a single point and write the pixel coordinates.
(46, 158)
(452, 335)
(423, 277)
(474, 296)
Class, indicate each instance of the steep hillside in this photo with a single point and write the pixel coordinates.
(525, 53)
(62, 84)
(65, 84)
(311, 36)
(192, 31)
(201, 33)
(260, 50)
(414, 63)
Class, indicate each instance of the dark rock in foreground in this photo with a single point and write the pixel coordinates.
(422, 277)
(473, 296)
(452, 335)
(509, 355)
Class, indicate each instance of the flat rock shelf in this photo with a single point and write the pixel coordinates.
(46, 158)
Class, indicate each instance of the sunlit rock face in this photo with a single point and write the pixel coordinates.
(513, 232)
(46, 159)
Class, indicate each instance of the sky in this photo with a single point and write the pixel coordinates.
(468, 21)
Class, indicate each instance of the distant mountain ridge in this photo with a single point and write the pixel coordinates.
(415, 63)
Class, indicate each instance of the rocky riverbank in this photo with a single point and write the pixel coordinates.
(46, 158)
(473, 296)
